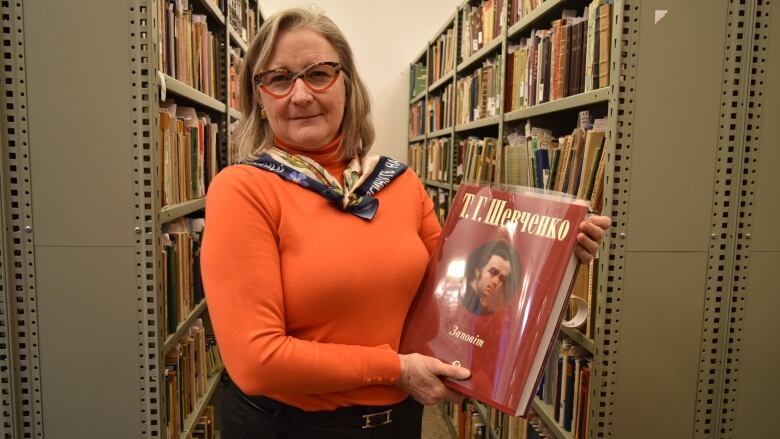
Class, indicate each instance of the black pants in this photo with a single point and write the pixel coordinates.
(249, 417)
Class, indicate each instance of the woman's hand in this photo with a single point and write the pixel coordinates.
(420, 378)
(590, 237)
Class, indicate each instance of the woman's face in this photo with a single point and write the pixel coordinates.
(304, 118)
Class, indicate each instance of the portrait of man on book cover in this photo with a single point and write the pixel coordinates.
(491, 274)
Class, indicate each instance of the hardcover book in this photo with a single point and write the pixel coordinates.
(496, 290)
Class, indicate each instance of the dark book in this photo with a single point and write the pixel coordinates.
(496, 289)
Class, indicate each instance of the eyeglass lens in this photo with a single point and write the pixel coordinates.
(318, 77)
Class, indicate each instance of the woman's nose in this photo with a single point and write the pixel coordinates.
(300, 92)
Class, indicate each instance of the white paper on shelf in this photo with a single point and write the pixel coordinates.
(163, 86)
(580, 316)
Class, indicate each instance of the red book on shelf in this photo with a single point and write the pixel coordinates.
(496, 289)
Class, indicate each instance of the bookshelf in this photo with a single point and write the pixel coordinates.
(684, 273)
(86, 353)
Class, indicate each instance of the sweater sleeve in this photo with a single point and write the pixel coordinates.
(240, 266)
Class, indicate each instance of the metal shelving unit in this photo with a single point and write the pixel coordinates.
(546, 412)
(479, 123)
(441, 81)
(438, 184)
(480, 54)
(174, 211)
(94, 292)
(192, 420)
(183, 327)
(709, 355)
(442, 132)
(586, 99)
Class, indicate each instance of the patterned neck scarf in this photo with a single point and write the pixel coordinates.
(363, 177)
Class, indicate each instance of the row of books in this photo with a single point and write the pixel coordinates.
(419, 79)
(570, 58)
(441, 57)
(531, 156)
(566, 386)
(572, 163)
(205, 426)
(479, 94)
(440, 109)
(182, 284)
(441, 202)
(188, 50)
(469, 423)
(188, 367)
(439, 153)
(416, 160)
(234, 69)
(417, 119)
(481, 24)
(242, 18)
(477, 159)
(521, 8)
(188, 148)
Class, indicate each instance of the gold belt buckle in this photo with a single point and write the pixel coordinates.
(369, 419)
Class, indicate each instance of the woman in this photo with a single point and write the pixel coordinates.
(314, 251)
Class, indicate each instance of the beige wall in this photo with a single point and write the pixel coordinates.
(385, 36)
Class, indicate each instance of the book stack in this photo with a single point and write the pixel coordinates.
(417, 158)
(566, 386)
(237, 16)
(205, 427)
(188, 153)
(478, 94)
(188, 50)
(417, 119)
(234, 70)
(441, 202)
(520, 8)
(479, 159)
(442, 55)
(188, 366)
(573, 163)
(440, 109)
(182, 286)
(439, 156)
(419, 78)
(481, 24)
(570, 58)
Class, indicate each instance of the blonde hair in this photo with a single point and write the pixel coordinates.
(253, 134)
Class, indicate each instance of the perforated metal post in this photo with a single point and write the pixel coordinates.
(748, 30)
(7, 418)
(19, 362)
(726, 268)
(145, 124)
(625, 27)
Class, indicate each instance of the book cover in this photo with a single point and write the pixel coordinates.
(496, 289)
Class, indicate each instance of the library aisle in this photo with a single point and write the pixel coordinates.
(117, 116)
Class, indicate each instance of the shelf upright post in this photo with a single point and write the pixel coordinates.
(20, 384)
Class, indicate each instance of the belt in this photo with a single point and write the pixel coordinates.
(357, 416)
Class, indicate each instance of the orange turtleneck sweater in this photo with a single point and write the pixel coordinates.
(308, 301)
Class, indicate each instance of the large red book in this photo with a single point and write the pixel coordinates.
(496, 290)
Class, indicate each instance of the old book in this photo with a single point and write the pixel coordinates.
(605, 17)
(496, 289)
(594, 140)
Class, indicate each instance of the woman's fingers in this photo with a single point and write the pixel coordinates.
(591, 234)
(420, 378)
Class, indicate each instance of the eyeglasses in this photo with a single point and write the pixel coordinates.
(319, 77)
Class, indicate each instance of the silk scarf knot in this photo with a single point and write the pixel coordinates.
(363, 177)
